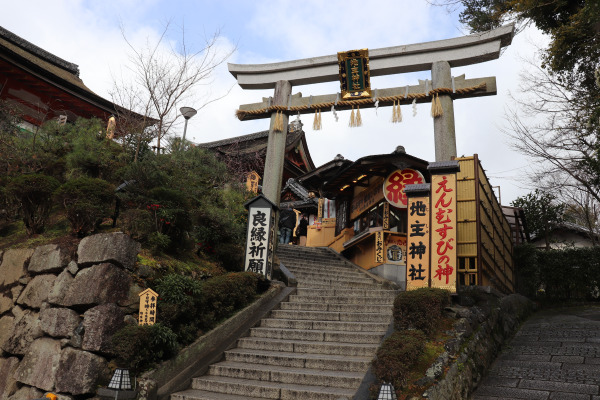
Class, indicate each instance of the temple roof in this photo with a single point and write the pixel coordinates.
(36, 78)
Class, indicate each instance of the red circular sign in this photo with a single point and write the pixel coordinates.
(393, 186)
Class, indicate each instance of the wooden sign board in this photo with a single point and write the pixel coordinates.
(417, 264)
(355, 74)
(443, 232)
(148, 312)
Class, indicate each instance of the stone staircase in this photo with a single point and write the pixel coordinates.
(318, 345)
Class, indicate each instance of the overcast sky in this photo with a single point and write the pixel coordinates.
(88, 34)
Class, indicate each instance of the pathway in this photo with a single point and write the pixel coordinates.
(554, 356)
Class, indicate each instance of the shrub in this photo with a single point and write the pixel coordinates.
(397, 355)
(87, 201)
(230, 256)
(222, 295)
(33, 194)
(141, 346)
(420, 309)
(158, 242)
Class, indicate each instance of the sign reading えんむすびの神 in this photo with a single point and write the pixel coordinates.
(147, 313)
(443, 231)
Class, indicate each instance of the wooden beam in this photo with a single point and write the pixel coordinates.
(408, 92)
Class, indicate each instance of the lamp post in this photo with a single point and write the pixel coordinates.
(187, 112)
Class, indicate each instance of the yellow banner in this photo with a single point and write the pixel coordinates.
(379, 253)
(417, 260)
(443, 232)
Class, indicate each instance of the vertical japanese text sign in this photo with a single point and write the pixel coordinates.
(260, 236)
(147, 313)
(355, 75)
(417, 264)
(379, 247)
(443, 224)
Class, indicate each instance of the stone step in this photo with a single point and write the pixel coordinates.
(329, 316)
(195, 394)
(299, 360)
(377, 299)
(270, 390)
(320, 269)
(315, 263)
(339, 279)
(334, 285)
(378, 292)
(317, 335)
(301, 376)
(338, 307)
(324, 325)
(304, 347)
(328, 274)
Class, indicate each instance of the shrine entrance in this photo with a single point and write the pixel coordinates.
(372, 189)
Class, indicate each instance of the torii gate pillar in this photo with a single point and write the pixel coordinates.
(276, 146)
(443, 126)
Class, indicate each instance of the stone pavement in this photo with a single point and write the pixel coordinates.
(555, 356)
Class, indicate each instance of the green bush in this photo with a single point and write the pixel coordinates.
(139, 347)
(420, 309)
(397, 355)
(222, 295)
(33, 195)
(230, 256)
(158, 242)
(86, 201)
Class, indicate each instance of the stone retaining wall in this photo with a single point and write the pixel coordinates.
(480, 332)
(57, 315)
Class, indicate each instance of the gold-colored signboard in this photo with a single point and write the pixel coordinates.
(379, 252)
(443, 232)
(366, 199)
(417, 259)
(252, 182)
(147, 312)
(355, 74)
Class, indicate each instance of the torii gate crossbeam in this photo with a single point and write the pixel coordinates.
(438, 56)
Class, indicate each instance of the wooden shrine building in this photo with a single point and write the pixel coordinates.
(247, 153)
(42, 87)
(375, 219)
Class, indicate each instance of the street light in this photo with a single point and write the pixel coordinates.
(187, 112)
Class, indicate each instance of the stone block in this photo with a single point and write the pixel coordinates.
(27, 393)
(38, 367)
(132, 302)
(99, 324)
(6, 328)
(26, 328)
(61, 287)
(117, 248)
(37, 291)
(6, 303)
(13, 265)
(99, 284)
(79, 371)
(73, 268)
(8, 384)
(59, 322)
(48, 258)
(16, 291)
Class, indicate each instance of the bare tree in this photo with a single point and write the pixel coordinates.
(165, 77)
(552, 124)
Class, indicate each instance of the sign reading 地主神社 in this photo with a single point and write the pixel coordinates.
(355, 75)
(260, 236)
(418, 244)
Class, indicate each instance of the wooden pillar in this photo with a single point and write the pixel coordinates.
(443, 126)
(276, 146)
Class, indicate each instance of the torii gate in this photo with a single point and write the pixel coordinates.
(437, 56)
